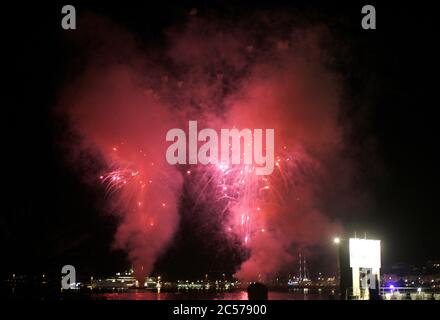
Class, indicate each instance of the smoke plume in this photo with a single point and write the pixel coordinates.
(257, 73)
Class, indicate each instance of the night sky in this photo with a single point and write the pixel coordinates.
(50, 217)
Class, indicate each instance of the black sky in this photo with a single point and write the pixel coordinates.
(49, 218)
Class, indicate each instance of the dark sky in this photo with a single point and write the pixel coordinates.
(49, 217)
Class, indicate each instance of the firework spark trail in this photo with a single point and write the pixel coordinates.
(244, 195)
(117, 179)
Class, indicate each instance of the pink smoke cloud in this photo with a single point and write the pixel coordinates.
(224, 76)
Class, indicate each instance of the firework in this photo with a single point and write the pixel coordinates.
(254, 83)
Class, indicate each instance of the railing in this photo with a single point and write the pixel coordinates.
(409, 293)
(395, 293)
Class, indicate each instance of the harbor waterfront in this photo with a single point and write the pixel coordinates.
(124, 286)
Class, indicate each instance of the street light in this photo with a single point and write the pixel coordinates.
(337, 241)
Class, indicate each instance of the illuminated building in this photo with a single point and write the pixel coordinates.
(359, 267)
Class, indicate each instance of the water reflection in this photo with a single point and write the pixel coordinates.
(187, 295)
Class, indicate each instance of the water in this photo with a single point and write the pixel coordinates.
(185, 295)
(39, 292)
